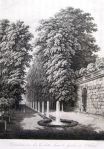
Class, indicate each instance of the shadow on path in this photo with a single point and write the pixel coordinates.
(24, 125)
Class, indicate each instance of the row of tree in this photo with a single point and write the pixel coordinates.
(64, 44)
(14, 58)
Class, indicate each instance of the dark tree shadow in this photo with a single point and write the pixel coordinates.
(16, 131)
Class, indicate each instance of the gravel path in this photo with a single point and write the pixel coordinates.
(95, 121)
(24, 125)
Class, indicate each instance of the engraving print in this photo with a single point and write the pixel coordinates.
(52, 69)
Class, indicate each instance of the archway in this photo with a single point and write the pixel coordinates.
(84, 99)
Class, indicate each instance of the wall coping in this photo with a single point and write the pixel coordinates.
(90, 77)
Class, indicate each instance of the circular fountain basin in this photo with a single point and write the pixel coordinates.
(53, 123)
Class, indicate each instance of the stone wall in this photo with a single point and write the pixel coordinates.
(93, 83)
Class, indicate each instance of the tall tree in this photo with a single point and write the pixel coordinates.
(37, 85)
(14, 57)
(66, 43)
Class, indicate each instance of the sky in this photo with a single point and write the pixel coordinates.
(31, 11)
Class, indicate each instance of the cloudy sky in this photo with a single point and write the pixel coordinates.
(31, 11)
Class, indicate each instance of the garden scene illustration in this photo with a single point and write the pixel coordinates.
(52, 78)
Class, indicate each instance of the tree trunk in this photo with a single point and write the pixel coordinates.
(38, 106)
(42, 107)
(31, 105)
(62, 107)
(34, 104)
(57, 112)
(47, 113)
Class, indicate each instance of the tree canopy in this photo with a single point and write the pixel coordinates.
(65, 43)
(37, 85)
(14, 58)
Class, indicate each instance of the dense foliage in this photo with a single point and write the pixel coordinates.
(37, 85)
(92, 67)
(14, 58)
(65, 43)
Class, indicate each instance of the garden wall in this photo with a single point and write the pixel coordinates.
(90, 93)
